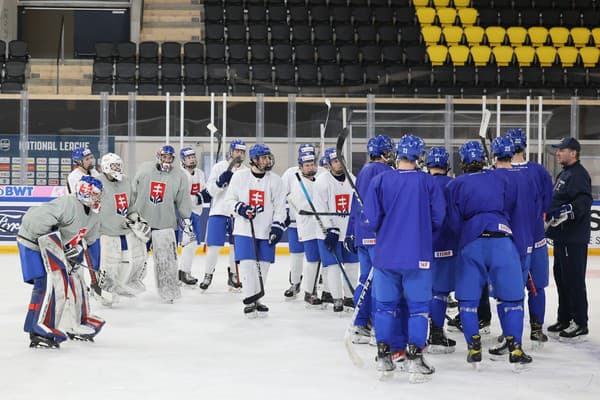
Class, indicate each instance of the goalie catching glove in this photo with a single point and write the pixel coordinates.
(138, 226)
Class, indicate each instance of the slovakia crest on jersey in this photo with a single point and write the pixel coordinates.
(257, 198)
(75, 240)
(195, 189)
(121, 203)
(157, 192)
(342, 202)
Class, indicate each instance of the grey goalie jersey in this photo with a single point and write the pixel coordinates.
(159, 196)
(65, 214)
(117, 203)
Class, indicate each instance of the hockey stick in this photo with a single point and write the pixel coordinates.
(324, 231)
(354, 357)
(254, 298)
(531, 284)
(485, 121)
(314, 289)
(213, 131)
(324, 126)
(337, 214)
(339, 146)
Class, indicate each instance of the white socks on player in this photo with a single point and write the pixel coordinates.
(212, 256)
(249, 276)
(187, 256)
(308, 279)
(296, 267)
(334, 281)
(352, 272)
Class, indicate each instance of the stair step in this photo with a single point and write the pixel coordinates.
(169, 6)
(173, 25)
(174, 19)
(187, 2)
(170, 34)
(150, 14)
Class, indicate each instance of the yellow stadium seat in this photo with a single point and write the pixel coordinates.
(481, 55)
(420, 3)
(525, 55)
(467, 16)
(580, 36)
(474, 35)
(503, 55)
(431, 34)
(546, 55)
(538, 35)
(452, 35)
(437, 54)
(441, 3)
(462, 3)
(567, 55)
(495, 35)
(459, 55)
(446, 15)
(425, 15)
(596, 36)
(516, 35)
(589, 56)
(559, 36)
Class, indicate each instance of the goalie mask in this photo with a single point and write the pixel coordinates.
(165, 156)
(188, 158)
(89, 192)
(112, 166)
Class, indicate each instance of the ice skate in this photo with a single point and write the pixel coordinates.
(326, 297)
(537, 336)
(385, 365)
(485, 327)
(42, 342)
(233, 281)
(419, 370)
(262, 310)
(338, 305)
(399, 358)
(474, 352)
(312, 301)
(348, 304)
(517, 357)
(361, 335)
(574, 333)
(454, 324)
(452, 302)
(557, 327)
(250, 311)
(438, 343)
(81, 338)
(499, 351)
(293, 290)
(137, 286)
(206, 282)
(186, 279)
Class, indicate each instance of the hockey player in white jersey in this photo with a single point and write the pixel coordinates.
(220, 224)
(161, 194)
(332, 194)
(306, 225)
(123, 235)
(70, 224)
(198, 196)
(85, 165)
(256, 197)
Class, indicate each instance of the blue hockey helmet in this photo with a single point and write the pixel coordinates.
(323, 162)
(190, 162)
(306, 148)
(471, 152)
(410, 147)
(237, 144)
(259, 150)
(503, 147)
(89, 192)
(165, 163)
(518, 137)
(79, 154)
(437, 157)
(306, 157)
(380, 145)
(330, 155)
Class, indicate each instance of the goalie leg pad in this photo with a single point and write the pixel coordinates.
(111, 258)
(137, 256)
(164, 253)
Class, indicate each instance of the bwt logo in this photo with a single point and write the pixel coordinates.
(10, 222)
(16, 191)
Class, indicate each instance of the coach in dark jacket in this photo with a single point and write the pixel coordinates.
(568, 221)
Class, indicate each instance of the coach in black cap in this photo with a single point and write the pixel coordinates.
(568, 225)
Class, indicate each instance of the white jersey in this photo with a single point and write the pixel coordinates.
(306, 224)
(331, 195)
(217, 205)
(75, 176)
(266, 192)
(197, 184)
(289, 180)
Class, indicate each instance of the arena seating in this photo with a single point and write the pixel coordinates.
(13, 66)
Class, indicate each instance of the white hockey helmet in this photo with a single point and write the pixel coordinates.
(112, 165)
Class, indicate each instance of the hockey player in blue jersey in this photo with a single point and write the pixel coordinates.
(522, 216)
(404, 208)
(539, 262)
(361, 240)
(444, 261)
(477, 204)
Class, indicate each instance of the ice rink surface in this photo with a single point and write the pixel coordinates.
(202, 347)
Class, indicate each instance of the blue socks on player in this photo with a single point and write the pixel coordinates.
(418, 323)
(437, 308)
(391, 324)
(537, 305)
(510, 314)
(468, 318)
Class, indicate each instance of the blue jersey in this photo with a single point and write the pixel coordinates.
(363, 235)
(525, 209)
(477, 202)
(445, 240)
(543, 183)
(404, 209)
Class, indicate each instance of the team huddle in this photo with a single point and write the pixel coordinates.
(390, 244)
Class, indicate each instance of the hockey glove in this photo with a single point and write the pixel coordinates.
(349, 244)
(204, 197)
(73, 253)
(247, 211)
(275, 233)
(560, 215)
(138, 226)
(224, 179)
(331, 239)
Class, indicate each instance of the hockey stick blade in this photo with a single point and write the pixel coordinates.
(485, 121)
(352, 354)
(341, 139)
